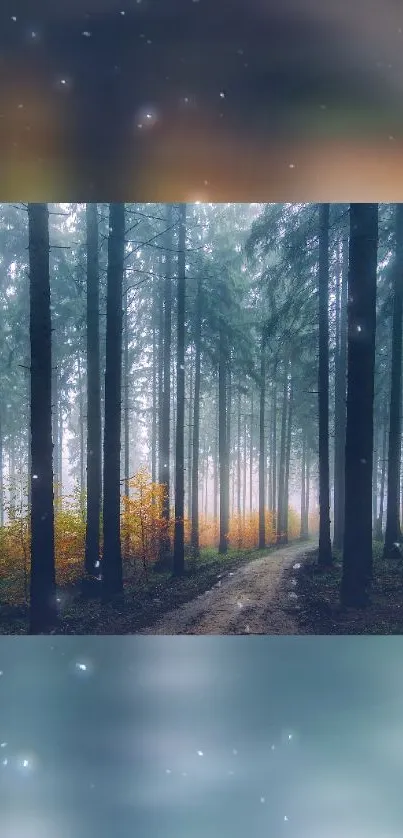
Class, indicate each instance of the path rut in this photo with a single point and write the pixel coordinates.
(251, 600)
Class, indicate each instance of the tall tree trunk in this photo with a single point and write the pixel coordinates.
(223, 442)
(251, 456)
(281, 476)
(375, 479)
(160, 376)
(179, 541)
(126, 412)
(81, 433)
(216, 471)
(154, 388)
(244, 470)
(303, 484)
(288, 457)
(94, 438)
(206, 483)
(166, 396)
(112, 571)
(274, 447)
(357, 553)
(43, 612)
(189, 438)
(55, 429)
(238, 461)
(262, 453)
(307, 490)
(60, 469)
(340, 407)
(325, 549)
(1, 474)
(379, 523)
(194, 539)
(392, 532)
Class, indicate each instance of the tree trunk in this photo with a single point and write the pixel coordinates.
(194, 539)
(357, 553)
(262, 453)
(1, 474)
(379, 523)
(126, 412)
(94, 438)
(238, 461)
(340, 408)
(303, 482)
(179, 541)
(325, 549)
(43, 613)
(55, 429)
(223, 442)
(393, 533)
(288, 457)
(244, 470)
(166, 396)
(160, 371)
(281, 477)
(154, 388)
(274, 448)
(251, 456)
(112, 571)
(81, 433)
(189, 439)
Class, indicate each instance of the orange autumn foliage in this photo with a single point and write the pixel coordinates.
(142, 529)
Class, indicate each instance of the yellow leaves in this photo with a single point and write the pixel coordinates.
(143, 530)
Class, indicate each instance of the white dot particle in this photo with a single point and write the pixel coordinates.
(62, 81)
(86, 34)
(34, 476)
(168, 771)
(81, 666)
(285, 818)
(291, 166)
(262, 799)
(14, 18)
(5, 761)
(200, 753)
(222, 95)
(359, 328)
(3, 745)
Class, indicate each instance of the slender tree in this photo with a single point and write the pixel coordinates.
(194, 539)
(179, 540)
(164, 467)
(357, 552)
(43, 612)
(94, 441)
(262, 453)
(325, 549)
(340, 405)
(393, 533)
(112, 571)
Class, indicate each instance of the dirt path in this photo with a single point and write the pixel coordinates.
(248, 601)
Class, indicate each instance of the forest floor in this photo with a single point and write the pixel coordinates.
(259, 598)
(320, 611)
(244, 592)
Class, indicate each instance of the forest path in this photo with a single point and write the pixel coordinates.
(251, 600)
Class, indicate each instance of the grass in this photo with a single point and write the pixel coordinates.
(146, 598)
(320, 611)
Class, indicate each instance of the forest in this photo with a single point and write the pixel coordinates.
(186, 388)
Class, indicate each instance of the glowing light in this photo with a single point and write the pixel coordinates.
(200, 753)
